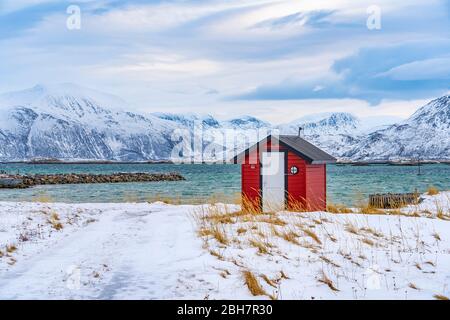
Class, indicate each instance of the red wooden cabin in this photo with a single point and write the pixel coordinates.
(284, 172)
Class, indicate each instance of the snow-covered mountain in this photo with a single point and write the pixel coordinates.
(246, 122)
(425, 135)
(69, 122)
(324, 124)
(336, 133)
(189, 119)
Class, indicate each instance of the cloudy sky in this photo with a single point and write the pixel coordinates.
(277, 60)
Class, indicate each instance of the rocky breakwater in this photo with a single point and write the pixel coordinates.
(26, 181)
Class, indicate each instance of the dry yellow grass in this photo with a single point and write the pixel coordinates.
(216, 254)
(440, 297)
(290, 236)
(338, 208)
(368, 209)
(57, 226)
(413, 286)
(252, 284)
(241, 230)
(349, 227)
(272, 219)
(11, 248)
(329, 261)
(436, 236)
(324, 279)
(312, 235)
(263, 247)
(220, 235)
(368, 242)
(268, 281)
(204, 232)
(432, 190)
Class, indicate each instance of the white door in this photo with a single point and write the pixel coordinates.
(273, 181)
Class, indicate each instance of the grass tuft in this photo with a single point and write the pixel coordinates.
(440, 297)
(324, 279)
(432, 190)
(252, 284)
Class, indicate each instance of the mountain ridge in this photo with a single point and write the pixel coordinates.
(69, 122)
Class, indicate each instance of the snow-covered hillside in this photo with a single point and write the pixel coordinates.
(69, 122)
(425, 135)
(159, 251)
(333, 132)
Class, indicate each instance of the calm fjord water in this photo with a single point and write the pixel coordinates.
(346, 183)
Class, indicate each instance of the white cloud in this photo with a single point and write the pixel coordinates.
(169, 56)
(438, 68)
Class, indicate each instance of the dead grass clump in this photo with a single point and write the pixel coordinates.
(225, 273)
(219, 234)
(268, 281)
(272, 219)
(216, 254)
(324, 279)
(440, 214)
(275, 232)
(413, 286)
(54, 220)
(241, 231)
(312, 235)
(338, 208)
(432, 191)
(204, 232)
(263, 247)
(368, 242)
(436, 236)
(440, 297)
(290, 236)
(252, 284)
(372, 232)
(11, 248)
(349, 227)
(57, 226)
(368, 209)
(329, 261)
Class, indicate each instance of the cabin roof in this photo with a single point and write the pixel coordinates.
(296, 144)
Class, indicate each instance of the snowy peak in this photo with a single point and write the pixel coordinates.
(208, 121)
(325, 123)
(189, 119)
(422, 136)
(435, 114)
(58, 95)
(246, 122)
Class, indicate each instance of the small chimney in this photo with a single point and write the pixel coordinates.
(300, 129)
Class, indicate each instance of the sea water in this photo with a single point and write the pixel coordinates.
(205, 182)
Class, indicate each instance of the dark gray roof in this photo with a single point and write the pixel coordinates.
(296, 144)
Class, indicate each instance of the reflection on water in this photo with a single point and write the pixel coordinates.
(346, 183)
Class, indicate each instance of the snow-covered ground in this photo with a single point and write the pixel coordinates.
(160, 251)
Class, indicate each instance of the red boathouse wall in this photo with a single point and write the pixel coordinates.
(306, 189)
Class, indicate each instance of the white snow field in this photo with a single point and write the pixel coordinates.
(161, 251)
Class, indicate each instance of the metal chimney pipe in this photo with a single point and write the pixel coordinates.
(300, 131)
